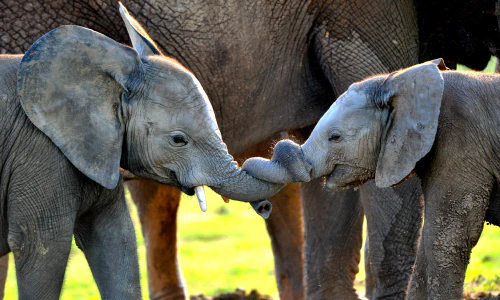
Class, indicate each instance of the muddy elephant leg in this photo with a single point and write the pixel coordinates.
(394, 217)
(454, 219)
(333, 225)
(157, 206)
(4, 267)
(286, 230)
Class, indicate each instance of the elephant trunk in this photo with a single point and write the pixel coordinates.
(310, 151)
(263, 208)
(287, 165)
(240, 185)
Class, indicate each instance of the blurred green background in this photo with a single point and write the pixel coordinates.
(228, 247)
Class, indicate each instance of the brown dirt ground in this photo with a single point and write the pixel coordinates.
(241, 294)
(482, 295)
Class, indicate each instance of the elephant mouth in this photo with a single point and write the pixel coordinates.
(169, 177)
(127, 176)
(185, 189)
(346, 176)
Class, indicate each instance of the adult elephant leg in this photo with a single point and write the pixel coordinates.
(394, 217)
(333, 224)
(157, 207)
(369, 282)
(286, 230)
(4, 267)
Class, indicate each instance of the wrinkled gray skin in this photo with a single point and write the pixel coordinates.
(80, 99)
(269, 67)
(416, 119)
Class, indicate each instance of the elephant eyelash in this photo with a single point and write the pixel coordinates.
(335, 138)
(178, 139)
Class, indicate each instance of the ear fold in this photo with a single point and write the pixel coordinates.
(414, 94)
(439, 62)
(71, 82)
(141, 41)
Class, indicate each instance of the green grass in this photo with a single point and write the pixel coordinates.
(228, 247)
(490, 68)
(225, 248)
(484, 267)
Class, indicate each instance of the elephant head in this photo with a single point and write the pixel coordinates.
(379, 128)
(106, 105)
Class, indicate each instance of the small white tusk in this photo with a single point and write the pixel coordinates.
(200, 193)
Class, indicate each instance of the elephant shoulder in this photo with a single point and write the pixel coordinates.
(9, 65)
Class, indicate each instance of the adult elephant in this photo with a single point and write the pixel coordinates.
(461, 31)
(282, 63)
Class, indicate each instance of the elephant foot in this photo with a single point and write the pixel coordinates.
(169, 293)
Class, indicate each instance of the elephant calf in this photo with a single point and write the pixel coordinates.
(75, 108)
(442, 125)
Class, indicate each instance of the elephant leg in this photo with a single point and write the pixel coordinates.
(106, 236)
(40, 265)
(453, 222)
(41, 220)
(369, 283)
(333, 225)
(394, 217)
(41, 245)
(4, 267)
(157, 207)
(417, 288)
(286, 230)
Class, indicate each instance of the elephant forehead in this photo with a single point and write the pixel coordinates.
(163, 76)
(352, 101)
(186, 111)
(169, 83)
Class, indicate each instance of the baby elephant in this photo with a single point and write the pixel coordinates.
(74, 109)
(444, 126)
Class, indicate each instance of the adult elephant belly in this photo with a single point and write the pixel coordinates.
(268, 67)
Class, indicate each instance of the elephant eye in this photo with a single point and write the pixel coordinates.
(178, 139)
(335, 137)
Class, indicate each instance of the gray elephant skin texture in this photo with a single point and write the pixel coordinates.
(271, 66)
(441, 125)
(75, 108)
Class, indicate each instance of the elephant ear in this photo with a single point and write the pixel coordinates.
(414, 95)
(70, 84)
(141, 40)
